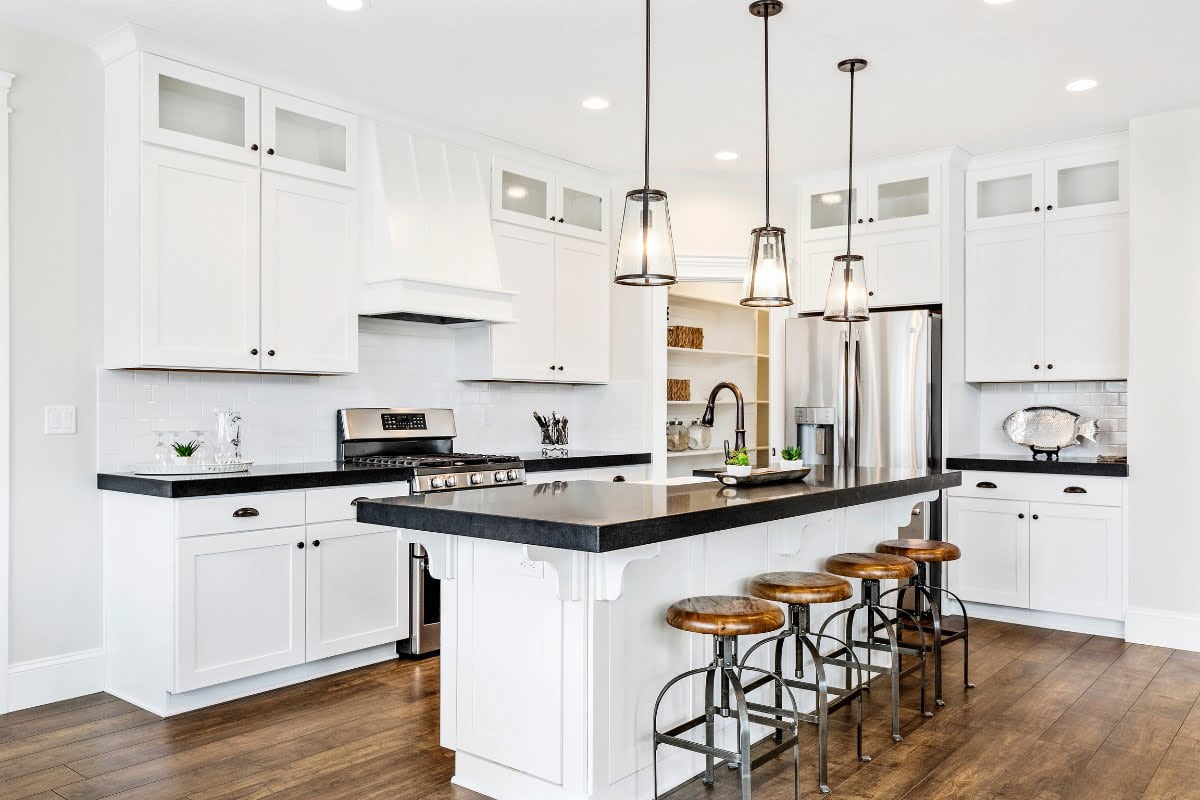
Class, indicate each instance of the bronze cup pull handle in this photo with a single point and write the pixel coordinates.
(358, 500)
(1075, 490)
(245, 512)
(985, 485)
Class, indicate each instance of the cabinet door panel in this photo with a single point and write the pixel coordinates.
(309, 277)
(1075, 564)
(823, 200)
(582, 207)
(1087, 298)
(357, 581)
(994, 538)
(1087, 185)
(192, 109)
(307, 139)
(903, 198)
(1004, 305)
(200, 262)
(816, 264)
(524, 350)
(240, 606)
(523, 195)
(581, 301)
(904, 268)
(1005, 196)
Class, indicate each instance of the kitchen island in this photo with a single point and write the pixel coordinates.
(553, 640)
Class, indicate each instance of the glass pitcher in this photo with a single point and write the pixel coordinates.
(229, 436)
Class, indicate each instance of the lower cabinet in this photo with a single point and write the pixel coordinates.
(1061, 557)
(357, 588)
(240, 608)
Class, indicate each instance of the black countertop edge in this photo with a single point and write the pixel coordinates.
(279, 478)
(1064, 466)
(583, 460)
(619, 536)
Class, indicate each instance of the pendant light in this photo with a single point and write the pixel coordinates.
(645, 251)
(846, 300)
(767, 274)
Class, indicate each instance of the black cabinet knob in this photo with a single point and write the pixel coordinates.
(254, 351)
(552, 219)
(316, 542)
(552, 368)
(560, 369)
(1020, 516)
(860, 222)
(1035, 516)
(1037, 366)
(270, 352)
(870, 294)
(300, 545)
(1037, 208)
(1049, 208)
(1049, 366)
(270, 151)
(254, 147)
(870, 219)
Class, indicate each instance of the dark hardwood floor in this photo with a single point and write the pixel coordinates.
(1055, 716)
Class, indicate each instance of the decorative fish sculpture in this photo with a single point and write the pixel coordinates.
(1047, 429)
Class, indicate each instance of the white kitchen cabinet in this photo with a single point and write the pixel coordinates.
(581, 303)
(562, 307)
(582, 204)
(1075, 559)
(904, 267)
(816, 265)
(994, 537)
(240, 605)
(198, 303)
(570, 203)
(1005, 195)
(823, 201)
(309, 140)
(903, 197)
(1086, 305)
(193, 109)
(309, 276)
(1004, 305)
(357, 588)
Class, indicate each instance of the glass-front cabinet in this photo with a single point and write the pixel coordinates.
(193, 109)
(1006, 195)
(902, 198)
(1078, 185)
(568, 203)
(582, 207)
(823, 202)
(303, 138)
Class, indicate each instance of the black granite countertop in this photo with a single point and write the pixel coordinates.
(581, 459)
(599, 516)
(268, 478)
(1018, 463)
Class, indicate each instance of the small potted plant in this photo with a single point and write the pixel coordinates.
(185, 452)
(790, 459)
(738, 463)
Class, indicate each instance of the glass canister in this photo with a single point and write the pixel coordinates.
(677, 436)
(699, 436)
(229, 436)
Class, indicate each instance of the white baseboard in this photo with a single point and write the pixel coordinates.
(48, 680)
(1163, 628)
(1048, 619)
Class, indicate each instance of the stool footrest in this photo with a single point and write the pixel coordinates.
(696, 747)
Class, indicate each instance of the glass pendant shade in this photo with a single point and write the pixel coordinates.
(767, 284)
(846, 300)
(646, 251)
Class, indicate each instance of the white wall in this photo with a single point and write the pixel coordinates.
(56, 248)
(1164, 380)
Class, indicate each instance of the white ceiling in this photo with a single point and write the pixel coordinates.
(986, 77)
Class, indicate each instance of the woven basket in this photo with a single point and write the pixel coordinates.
(685, 336)
(679, 389)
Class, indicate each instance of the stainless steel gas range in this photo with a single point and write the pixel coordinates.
(422, 440)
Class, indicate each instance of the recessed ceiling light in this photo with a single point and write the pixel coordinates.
(345, 5)
(725, 155)
(1082, 85)
(595, 103)
(997, 2)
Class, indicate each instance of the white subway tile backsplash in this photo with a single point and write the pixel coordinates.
(1104, 401)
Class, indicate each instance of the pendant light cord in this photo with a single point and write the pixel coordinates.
(850, 177)
(647, 142)
(767, 112)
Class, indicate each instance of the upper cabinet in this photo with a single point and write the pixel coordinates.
(1059, 186)
(230, 240)
(559, 201)
(884, 198)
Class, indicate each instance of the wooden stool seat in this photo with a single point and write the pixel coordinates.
(924, 550)
(800, 588)
(724, 615)
(871, 566)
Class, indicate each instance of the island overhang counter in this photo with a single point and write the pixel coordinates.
(553, 640)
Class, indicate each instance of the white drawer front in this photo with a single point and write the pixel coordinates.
(632, 472)
(1076, 489)
(337, 503)
(238, 512)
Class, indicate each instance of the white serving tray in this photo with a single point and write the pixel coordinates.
(191, 469)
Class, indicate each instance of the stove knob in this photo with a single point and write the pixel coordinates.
(476, 478)
(436, 483)
(451, 481)
(512, 475)
(500, 477)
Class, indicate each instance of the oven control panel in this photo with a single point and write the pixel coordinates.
(404, 422)
(483, 477)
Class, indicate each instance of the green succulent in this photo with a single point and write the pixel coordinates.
(185, 449)
(790, 453)
(738, 458)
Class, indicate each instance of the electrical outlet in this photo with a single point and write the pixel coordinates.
(530, 569)
(60, 420)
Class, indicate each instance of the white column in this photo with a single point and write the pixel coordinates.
(6, 79)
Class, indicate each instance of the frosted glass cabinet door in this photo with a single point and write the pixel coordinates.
(582, 207)
(197, 110)
(1087, 185)
(307, 139)
(823, 207)
(1003, 196)
(899, 199)
(523, 195)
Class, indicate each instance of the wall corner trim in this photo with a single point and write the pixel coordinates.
(1162, 628)
(48, 680)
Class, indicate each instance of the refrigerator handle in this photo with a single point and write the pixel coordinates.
(855, 390)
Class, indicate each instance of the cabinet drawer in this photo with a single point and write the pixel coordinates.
(1076, 489)
(337, 503)
(632, 472)
(238, 512)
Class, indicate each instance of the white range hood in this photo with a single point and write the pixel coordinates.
(428, 249)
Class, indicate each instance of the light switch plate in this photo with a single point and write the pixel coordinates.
(60, 420)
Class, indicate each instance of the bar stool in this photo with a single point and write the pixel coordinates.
(871, 568)
(925, 552)
(725, 618)
(798, 591)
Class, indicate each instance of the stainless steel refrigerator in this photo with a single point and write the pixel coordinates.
(868, 393)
